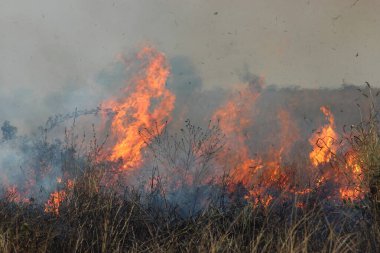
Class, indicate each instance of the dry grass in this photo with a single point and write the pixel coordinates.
(99, 220)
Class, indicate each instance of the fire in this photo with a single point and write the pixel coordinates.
(258, 200)
(323, 141)
(13, 195)
(353, 189)
(234, 118)
(349, 193)
(349, 176)
(255, 173)
(353, 164)
(56, 198)
(147, 101)
(289, 132)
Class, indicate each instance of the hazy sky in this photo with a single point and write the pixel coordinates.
(48, 47)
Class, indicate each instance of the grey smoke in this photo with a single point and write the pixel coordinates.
(52, 51)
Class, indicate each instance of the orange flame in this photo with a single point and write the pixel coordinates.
(354, 188)
(323, 141)
(349, 177)
(150, 101)
(234, 119)
(56, 198)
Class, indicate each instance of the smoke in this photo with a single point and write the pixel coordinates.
(182, 161)
(52, 52)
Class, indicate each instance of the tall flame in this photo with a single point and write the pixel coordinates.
(323, 141)
(255, 173)
(234, 119)
(148, 101)
(352, 189)
(54, 201)
(348, 177)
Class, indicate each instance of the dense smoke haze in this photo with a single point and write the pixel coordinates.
(191, 91)
(152, 116)
(57, 56)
